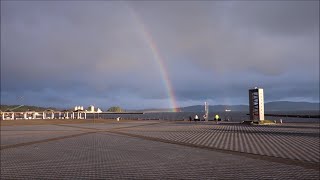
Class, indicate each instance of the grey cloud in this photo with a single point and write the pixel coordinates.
(217, 35)
(281, 17)
(55, 52)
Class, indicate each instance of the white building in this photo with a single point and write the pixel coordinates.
(91, 108)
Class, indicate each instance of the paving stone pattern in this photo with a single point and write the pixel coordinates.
(22, 134)
(106, 155)
(287, 141)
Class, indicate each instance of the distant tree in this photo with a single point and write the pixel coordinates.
(115, 109)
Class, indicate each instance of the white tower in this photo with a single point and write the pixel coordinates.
(256, 104)
(206, 111)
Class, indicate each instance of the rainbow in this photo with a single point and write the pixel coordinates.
(156, 57)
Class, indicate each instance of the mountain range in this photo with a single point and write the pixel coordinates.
(269, 106)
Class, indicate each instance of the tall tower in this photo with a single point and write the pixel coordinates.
(256, 104)
(206, 111)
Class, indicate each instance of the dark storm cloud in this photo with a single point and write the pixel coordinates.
(280, 18)
(79, 52)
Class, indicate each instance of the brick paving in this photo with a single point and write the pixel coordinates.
(22, 134)
(106, 154)
(286, 141)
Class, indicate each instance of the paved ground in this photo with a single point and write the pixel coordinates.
(159, 150)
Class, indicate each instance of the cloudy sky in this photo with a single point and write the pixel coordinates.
(131, 54)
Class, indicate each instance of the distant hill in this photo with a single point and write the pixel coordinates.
(270, 106)
(197, 108)
(200, 108)
(153, 110)
(290, 106)
(16, 108)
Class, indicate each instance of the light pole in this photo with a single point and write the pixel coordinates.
(94, 114)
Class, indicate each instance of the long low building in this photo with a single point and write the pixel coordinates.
(48, 114)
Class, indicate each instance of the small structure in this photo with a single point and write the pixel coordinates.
(256, 104)
(78, 108)
(91, 108)
(196, 118)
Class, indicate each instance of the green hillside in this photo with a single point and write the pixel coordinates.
(16, 108)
